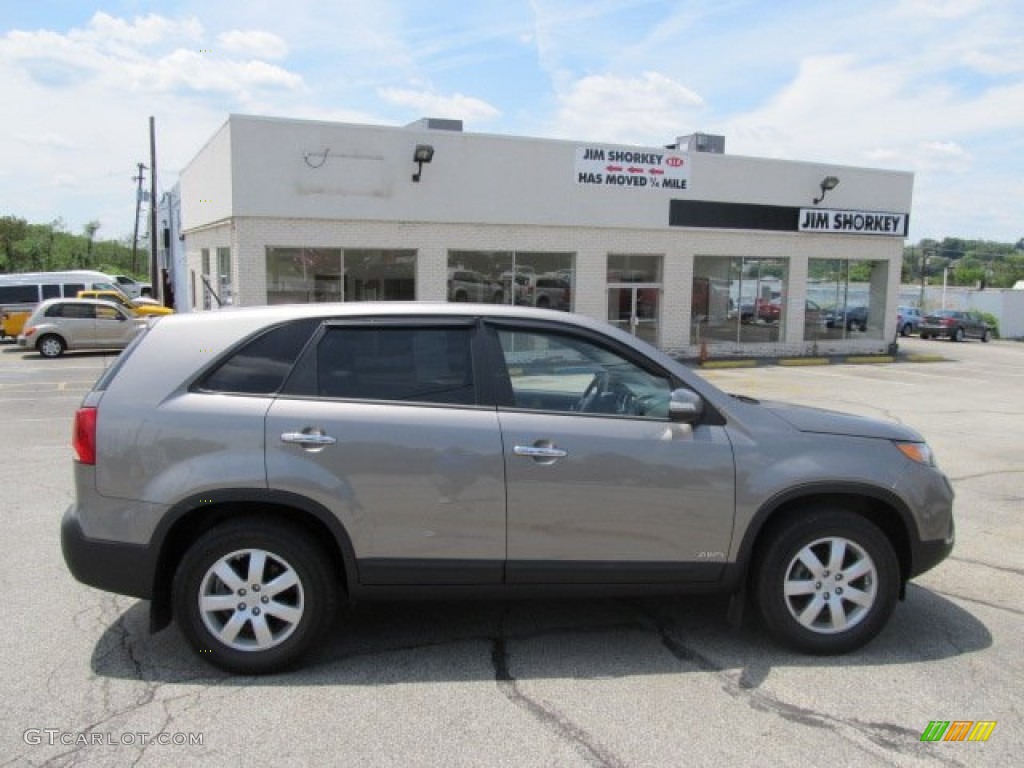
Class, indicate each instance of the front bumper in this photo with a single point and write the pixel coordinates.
(113, 566)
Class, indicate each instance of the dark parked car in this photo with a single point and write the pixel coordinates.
(955, 325)
(849, 317)
(296, 456)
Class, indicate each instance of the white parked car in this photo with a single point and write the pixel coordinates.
(131, 287)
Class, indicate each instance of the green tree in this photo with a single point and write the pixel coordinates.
(12, 229)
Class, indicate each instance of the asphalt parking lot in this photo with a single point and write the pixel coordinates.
(651, 682)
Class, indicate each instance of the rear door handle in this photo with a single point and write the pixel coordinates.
(540, 452)
(310, 439)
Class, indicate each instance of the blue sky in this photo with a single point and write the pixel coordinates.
(931, 86)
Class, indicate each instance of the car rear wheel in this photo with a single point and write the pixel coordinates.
(826, 582)
(905, 330)
(51, 346)
(957, 335)
(252, 596)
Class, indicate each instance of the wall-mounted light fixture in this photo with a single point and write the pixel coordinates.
(423, 153)
(829, 182)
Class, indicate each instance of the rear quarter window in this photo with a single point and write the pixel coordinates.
(261, 365)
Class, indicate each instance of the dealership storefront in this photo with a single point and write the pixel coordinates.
(692, 250)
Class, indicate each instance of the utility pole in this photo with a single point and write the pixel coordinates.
(154, 273)
(138, 205)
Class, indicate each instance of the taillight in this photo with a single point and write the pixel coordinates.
(947, 321)
(83, 439)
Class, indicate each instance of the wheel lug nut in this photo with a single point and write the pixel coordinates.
(264, 599)
(817, 585)
(241, 606)
(255, 587)
(839, 590)
(839, 577)
(241, 593)
(255, 611)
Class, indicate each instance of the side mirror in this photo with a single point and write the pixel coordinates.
(685, 406)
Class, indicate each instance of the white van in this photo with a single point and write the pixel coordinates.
(20, 293)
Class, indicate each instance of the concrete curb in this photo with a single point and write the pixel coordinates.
(796, 362)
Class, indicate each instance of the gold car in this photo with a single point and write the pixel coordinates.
(144, 307)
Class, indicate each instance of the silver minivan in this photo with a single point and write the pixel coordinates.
(244, 470)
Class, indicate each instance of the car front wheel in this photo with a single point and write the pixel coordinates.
(252, 596)
(827, 582)
(957, 335)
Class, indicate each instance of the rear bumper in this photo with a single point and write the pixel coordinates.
(113, 566)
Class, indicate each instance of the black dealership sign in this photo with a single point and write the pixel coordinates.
(705, 214)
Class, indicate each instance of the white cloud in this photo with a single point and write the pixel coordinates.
(253, 42)
(428, 103)
(649, 109)
(105, 31)
(84, 97)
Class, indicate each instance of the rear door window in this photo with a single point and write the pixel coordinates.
(413, 364)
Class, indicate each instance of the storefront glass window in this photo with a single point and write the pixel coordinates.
(738, 299)
(851, 297)
(380, 275)
(306, 275)
(223, 283)
(529, 278)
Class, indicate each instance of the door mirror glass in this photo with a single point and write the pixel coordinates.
(685, 406)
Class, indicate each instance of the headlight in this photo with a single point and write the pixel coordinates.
(919, 452)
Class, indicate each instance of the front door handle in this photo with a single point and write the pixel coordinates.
(542, 452)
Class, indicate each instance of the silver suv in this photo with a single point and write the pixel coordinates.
(245, 469)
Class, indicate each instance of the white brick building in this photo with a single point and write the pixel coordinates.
(687, 248)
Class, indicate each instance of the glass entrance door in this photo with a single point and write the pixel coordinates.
(634, 309)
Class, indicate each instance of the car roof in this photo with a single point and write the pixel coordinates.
(58, 300)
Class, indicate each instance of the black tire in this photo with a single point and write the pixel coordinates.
(461, 296)
(287, 621)
(543, 302)
(985, 336)
(925, 336)
(804, 619)
(51, 346)
(957, 335)
(905, 330)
